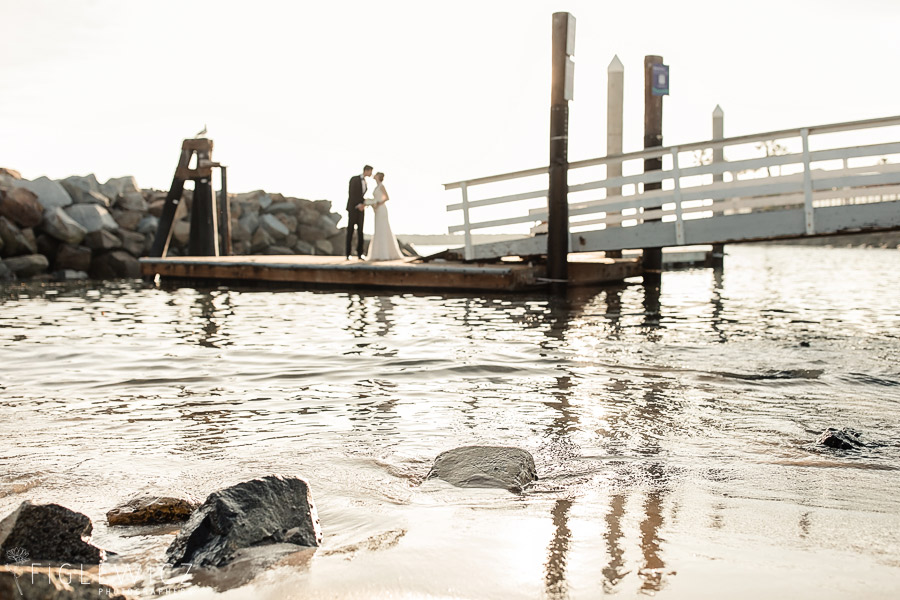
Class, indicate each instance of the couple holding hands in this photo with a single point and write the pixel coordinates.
(383, 245)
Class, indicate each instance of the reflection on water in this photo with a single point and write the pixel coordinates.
(672, 426)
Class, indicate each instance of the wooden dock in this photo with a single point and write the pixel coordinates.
(408, 273)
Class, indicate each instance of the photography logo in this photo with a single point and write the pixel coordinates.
(17, 556)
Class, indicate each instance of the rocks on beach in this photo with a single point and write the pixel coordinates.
(48, 532)
(840, 439)
(266, 511)
(152, 510)
(485, 466)
(114, 224)
(25, 582)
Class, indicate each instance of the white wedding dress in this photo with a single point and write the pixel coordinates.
(383, 245)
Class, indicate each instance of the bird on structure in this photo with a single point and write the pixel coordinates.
(202, 132)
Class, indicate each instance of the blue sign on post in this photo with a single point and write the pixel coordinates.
(659, 80)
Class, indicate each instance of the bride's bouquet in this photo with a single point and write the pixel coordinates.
(369, 202)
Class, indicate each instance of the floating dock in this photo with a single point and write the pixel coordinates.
(407, 273)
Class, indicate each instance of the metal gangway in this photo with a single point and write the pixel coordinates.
(812, 181)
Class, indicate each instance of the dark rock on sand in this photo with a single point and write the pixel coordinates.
(485, 466)
(152, 510)
(269, 510)
(24, 582)
(842, 439)
(48, 532)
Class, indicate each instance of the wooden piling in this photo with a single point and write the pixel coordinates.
(653, 109)
(558, 191)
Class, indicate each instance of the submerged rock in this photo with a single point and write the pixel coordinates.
(48, 532)
(25, 582)
(842, 439)
(269, 510)
(485, 466)
(152, 510)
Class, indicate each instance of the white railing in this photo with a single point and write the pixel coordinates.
(804, 169)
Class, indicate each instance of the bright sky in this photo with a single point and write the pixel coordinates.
(299, 95)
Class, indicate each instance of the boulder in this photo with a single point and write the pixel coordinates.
(156, 207)
(290, 241)
(115, 264)
(152, 510)
(269, 510)
(302, 247)
(273, 227)
(14, 241)
(289, 221)
(288, 208)
(128, 219)
(92, 217)
(235, 208)
(21, 206)
(132, 242)
(310, 234)
(5, 273)
(28, 265)
(842, 439)
(240, 248)
(49, 193)
(131, 201)
(308, 216)
(324, 247)
(239, 232)
(49, 532)
(323, 206)
(148, 224)
(47, 245)
(103, 240)
(261, 240)
(327, 225)
(76, 258)
(181, 232)
(250, 221)
(11, 173)
(277, 250)
(26, 582)
(339, 240)
(63, 227)
(85, 190)
(119, 185)
(485, 466)
(254, 201)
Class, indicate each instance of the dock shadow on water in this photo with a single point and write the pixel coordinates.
(673, 429)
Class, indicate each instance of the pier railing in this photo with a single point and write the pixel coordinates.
(801, 170)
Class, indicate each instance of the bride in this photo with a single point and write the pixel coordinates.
(383, 245)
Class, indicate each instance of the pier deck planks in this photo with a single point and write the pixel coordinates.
(403, 274)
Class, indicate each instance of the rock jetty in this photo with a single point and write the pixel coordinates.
(78, 228)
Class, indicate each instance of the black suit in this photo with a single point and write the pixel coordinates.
(355, 217)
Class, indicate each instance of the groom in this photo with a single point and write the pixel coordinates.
(356, 211)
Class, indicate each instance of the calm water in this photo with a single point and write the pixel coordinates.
(672, 430)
